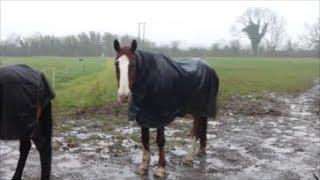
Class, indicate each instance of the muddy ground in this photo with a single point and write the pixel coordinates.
(278, 139)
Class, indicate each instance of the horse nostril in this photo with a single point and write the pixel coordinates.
(125, 97)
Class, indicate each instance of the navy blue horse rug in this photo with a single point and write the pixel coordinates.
(22, 89)
(166, 88)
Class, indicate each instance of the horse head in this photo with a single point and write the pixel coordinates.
(125, 63)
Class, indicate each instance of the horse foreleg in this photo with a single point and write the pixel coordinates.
(44, 147)
(25, 145)
(161, 171)
(144, 165)
(188, 160)
(195, 132)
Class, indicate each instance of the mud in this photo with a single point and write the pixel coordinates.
(284, 145)
(253, 105)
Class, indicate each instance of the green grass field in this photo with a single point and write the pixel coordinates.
(92, 82)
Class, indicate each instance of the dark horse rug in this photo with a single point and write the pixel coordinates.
(166, 88)
(21, 90)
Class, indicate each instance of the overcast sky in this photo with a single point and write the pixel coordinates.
(193, 23)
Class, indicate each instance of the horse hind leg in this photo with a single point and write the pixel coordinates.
(25, 145)
(42, 140)
(144, 165)
(203, 135)
(44, 148)
(161, 168)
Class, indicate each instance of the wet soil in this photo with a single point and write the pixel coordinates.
(282, 142)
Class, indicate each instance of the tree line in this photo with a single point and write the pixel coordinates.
(264, 29)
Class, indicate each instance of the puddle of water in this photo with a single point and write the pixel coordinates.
(4, 149)
(268, 143)
(171, 132)
(300, 133)
(178, 151)
(127, 130)
(68, 161)
(214, 123)
(300, 113)
(128, 143)
(211, 136)
(136, 157)
(6, 173)
(216, 162)
(82, 136)
(276, 130)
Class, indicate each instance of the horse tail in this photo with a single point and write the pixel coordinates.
(46, 95)
(46, 122)
(215, 80)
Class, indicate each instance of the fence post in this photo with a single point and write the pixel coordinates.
(53, 77)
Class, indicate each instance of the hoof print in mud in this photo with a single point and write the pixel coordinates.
(187, 162)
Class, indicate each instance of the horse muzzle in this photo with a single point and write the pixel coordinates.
(123, 98)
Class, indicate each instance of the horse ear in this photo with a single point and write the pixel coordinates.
(133, 46)
(116, 45)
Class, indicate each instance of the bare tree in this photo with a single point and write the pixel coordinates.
(312, 35)
(276, 33)
(235, 46)
(291, 45)
(255, 23)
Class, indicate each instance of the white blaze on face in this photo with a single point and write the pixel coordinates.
(123, 90)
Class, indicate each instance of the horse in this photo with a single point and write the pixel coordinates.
(26, 113)
(159, 89)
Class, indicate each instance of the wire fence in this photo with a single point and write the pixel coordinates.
(56, 75)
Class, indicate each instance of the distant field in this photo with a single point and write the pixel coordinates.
(91, 82)
(255, 75)
(66, 68)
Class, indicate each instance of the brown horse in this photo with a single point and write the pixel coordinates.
(25, 108)
(159, 89)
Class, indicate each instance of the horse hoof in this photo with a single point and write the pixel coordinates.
(142, 170)
(188, 162)
(201, 153)
(15, 177)
(160, 172)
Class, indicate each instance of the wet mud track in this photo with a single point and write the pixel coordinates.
(239, 147)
